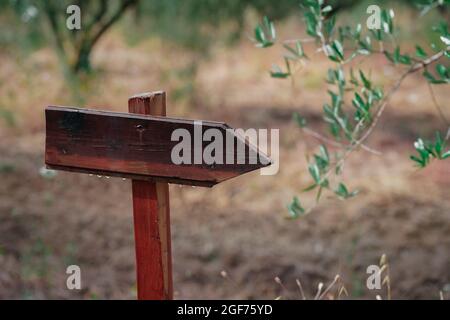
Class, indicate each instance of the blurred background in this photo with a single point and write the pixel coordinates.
(201, 53)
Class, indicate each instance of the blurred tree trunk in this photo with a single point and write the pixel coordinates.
(100, 26)
(74, 47)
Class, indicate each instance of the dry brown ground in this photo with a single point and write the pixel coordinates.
(238, 226)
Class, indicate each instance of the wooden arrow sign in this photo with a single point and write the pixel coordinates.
(140, 145)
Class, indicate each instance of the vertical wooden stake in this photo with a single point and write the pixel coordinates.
(152, 219)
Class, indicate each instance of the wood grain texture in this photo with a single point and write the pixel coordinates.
(151, 211)
(137, 146)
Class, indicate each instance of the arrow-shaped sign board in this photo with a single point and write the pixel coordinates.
(142, 147)
(152, 150)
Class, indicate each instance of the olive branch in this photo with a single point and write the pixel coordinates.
(350, 130)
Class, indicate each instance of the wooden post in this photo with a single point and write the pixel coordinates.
(152, 219)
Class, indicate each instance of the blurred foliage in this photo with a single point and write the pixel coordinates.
(23, 31)
(6, 167)
(35, 23)
(192, 24)
(189, 22)
(7, 116)
(38, 22)
(196, 26)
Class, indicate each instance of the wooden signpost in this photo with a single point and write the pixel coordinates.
(138, 145)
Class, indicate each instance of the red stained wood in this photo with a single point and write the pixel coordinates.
(133, 146)
(152, 220)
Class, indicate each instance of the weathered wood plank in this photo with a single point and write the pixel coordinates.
(135, 146)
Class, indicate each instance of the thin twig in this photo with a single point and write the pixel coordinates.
(329, 287)
(280, 283)
(298, 40)
(300, 287)
(341, 291)
(336, 144)
(319, 290)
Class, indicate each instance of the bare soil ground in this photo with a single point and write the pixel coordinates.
(239, 226)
